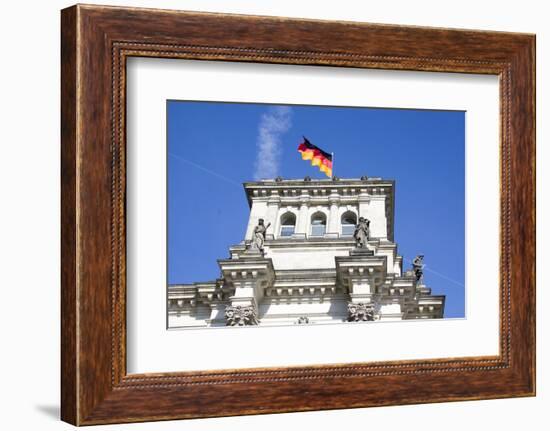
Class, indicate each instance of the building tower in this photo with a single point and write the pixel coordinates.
(310, 269)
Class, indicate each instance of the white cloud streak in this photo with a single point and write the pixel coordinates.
(273, 125)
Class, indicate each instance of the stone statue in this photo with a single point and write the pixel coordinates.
(259, 235)
(362, 232)
(418, 267)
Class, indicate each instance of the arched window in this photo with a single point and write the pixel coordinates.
(318, 224)
(288, 224)
(349, 220)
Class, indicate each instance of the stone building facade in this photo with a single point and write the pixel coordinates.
(310, 270)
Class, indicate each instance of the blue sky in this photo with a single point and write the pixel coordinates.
(214, 147)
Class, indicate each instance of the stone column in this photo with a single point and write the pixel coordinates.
(377, 212)
(250, 276)
(363, 201)
(272, 214)
(303, 217)
(361, 273)
(333, 228)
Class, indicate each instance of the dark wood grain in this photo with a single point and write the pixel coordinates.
(96, 41)
(69, 397)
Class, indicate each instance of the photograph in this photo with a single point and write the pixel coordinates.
(311, 215)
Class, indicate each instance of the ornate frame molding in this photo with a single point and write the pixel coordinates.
(96, 41)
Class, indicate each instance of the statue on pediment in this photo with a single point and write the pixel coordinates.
(418, 267)
(362, 232)
(259, 236)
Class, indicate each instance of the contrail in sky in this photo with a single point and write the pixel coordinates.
(273, 125)
(426, 268)
(208, 171)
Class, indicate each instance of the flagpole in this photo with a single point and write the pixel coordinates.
(332, 154)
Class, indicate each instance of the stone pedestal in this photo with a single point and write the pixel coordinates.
(249, 275)
(362, 273)
(361, 252)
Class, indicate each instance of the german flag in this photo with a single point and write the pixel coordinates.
(317, 156)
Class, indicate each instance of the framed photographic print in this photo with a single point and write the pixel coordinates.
(326, 214)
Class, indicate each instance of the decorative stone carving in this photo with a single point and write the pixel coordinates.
(302, 320)
(279, 179)
(364, 178)
(362, 232)
(418, 267)
(259, 236)
(360, 312)
(307, 179)
(240, 316)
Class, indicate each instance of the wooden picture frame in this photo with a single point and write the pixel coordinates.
(95, 43)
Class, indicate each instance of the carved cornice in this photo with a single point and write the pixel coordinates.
(295, 191)
(256, 270)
